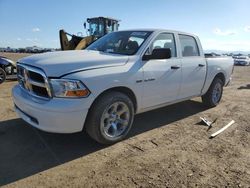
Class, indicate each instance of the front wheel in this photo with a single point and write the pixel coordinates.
(2, 75)
(214, 93)
(110, 118)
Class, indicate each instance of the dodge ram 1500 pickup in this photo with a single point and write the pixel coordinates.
(124, 73)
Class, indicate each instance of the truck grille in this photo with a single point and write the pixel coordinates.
(33, 80)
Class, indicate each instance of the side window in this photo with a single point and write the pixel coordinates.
(188, 46)
(165, 40)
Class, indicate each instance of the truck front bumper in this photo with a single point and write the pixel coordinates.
(57, 115)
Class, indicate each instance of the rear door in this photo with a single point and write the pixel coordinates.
(193, 67)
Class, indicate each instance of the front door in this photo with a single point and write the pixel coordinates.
(162, 78)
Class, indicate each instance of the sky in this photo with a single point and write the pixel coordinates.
(220, 24)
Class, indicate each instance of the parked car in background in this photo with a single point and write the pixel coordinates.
(124, 73)
(7, 68)
(242, 60)
(212, 55)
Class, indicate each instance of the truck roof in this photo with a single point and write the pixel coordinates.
(160, 30)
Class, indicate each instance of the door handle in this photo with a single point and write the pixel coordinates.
(201, 65)
(175, 67)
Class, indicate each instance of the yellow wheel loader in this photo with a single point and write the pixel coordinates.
(97, 27)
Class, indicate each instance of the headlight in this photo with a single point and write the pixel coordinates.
(68, 88)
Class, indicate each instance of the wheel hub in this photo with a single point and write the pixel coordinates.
(216, 93)
(115, 119)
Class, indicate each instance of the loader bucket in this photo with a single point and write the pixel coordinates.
(67, 44)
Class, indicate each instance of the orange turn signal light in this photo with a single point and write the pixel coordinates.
(77, 93)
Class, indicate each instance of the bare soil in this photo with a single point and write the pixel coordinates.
(14, 56)
(166, 147)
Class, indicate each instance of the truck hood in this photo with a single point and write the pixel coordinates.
(56, 64)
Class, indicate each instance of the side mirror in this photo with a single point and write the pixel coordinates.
(84, 25)
(158, 53)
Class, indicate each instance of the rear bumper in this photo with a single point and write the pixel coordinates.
(57, 115)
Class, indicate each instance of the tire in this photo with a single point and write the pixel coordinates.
(2, 75)
(110, 118)
(214, 93)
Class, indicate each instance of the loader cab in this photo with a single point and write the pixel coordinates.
(96, 28)
(100, 26)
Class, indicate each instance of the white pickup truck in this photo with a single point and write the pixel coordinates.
(124, 73)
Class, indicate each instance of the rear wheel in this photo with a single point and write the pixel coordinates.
(110, 118)
(2, 75)
(214, 93)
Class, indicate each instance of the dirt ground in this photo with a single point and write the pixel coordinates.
(14, 56)
(166, 148)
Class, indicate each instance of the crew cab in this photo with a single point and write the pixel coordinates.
(124, 73)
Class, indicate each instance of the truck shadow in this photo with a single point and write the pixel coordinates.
(25, 151)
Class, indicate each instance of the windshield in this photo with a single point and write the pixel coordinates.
(122, 42)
